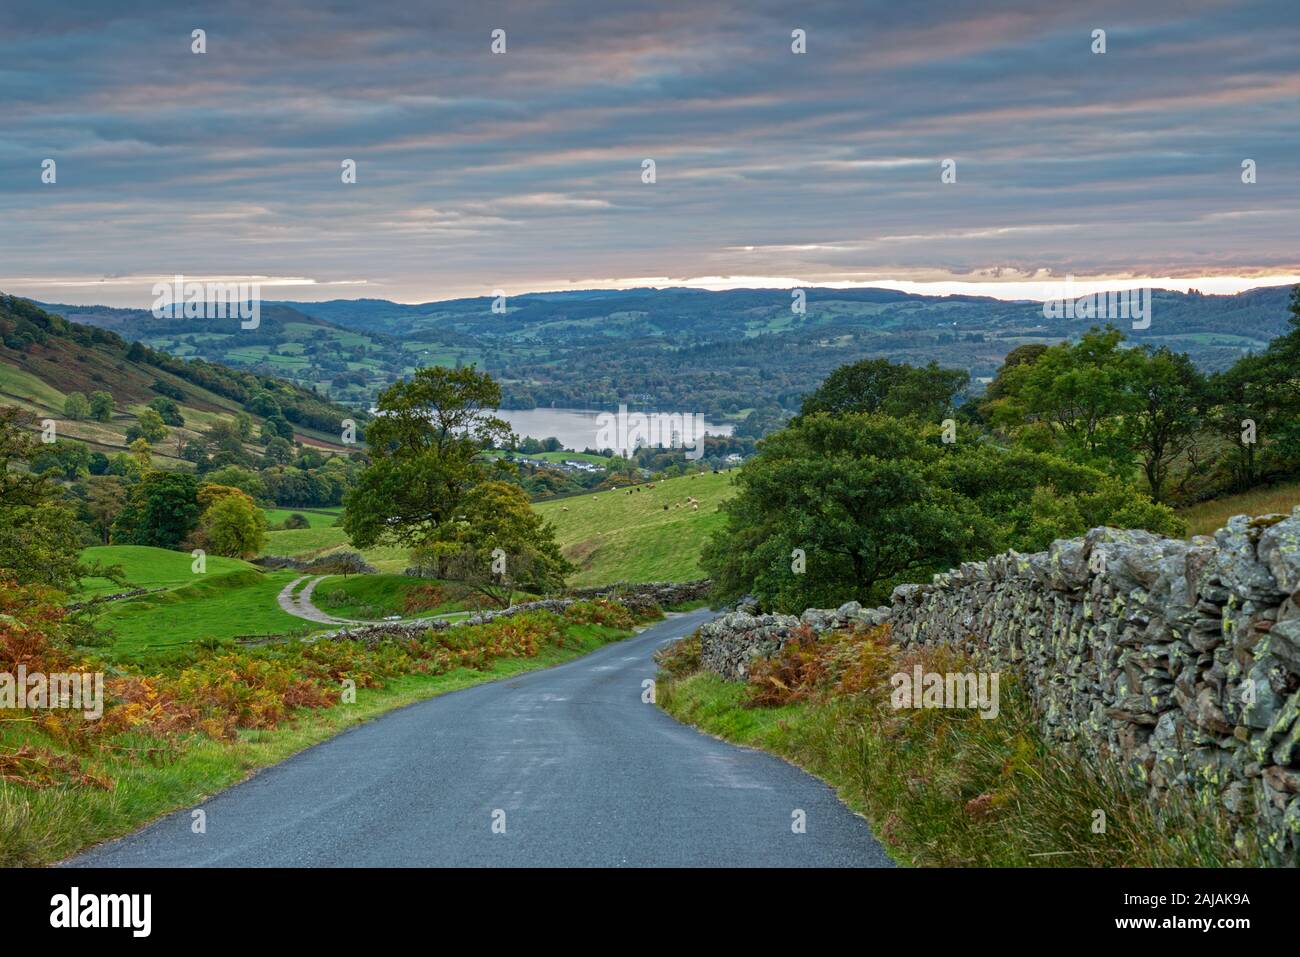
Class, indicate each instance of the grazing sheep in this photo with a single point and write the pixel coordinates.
(665, 508)
(695, 508)
(564, 508)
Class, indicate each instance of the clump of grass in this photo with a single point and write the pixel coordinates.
(943, 787)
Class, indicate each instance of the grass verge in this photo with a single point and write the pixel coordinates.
(106, 792)
(940, 787)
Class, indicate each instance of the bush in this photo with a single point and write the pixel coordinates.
(340, 563)
(422, 598)
(680, 658)
(296, 521)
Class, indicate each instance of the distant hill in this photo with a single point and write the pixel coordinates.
(44, 357)
(347, 365)
(723, 353)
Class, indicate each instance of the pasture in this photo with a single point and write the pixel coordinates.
(620, 536)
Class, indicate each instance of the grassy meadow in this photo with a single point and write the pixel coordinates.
(615, 536)
(146, 567)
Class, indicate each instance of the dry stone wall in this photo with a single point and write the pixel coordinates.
(637, 597)
(1179, 659)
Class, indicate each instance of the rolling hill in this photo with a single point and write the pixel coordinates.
(619, 536)
(725, 353)
(347, 365)
(44, 358)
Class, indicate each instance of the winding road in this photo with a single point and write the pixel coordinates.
(562, 767)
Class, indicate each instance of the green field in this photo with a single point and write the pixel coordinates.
(219, 606)
(613, 536)
(364, 597)
(34, 392)
(316, 517)
(146, 567)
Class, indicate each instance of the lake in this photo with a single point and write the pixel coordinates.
(578, 429)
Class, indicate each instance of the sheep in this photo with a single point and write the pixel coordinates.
(695, 508)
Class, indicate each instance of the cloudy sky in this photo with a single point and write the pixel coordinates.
(523, 171)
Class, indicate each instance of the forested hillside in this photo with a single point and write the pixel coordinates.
(107, 392)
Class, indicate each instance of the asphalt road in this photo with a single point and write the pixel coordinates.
(570, 760)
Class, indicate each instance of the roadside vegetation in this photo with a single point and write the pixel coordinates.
(173, 733)
(941, 787)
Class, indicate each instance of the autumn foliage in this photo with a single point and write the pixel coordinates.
(232, 688)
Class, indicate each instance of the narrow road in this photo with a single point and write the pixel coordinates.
(573, 764)
(300, 605)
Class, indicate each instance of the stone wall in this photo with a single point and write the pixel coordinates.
(1179, 659)
(638, 597)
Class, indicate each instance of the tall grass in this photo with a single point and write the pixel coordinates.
(1206, 517)
(947, 787)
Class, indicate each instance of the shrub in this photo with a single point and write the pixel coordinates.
(422, 598)
(601, 611)
(340, 563)
(680, 658)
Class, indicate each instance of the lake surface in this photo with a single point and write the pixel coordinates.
(578, 429)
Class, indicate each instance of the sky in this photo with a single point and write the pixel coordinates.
(524, 170)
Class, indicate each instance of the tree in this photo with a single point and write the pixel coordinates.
(39, 539)
(238, 477)
(1166, 418)
(1020, 355)
(149, 426)
(101, 406)
(76, 407)
(162, 509)
(142, 452)
(878, 385)
(852, 493)
(105, 499)
(1074, 397)
(497, 545)
(66, 460)
(279, 451)
(168, 410)
(842, 507)
(1256, 409)
(425, 448)
(231, 523)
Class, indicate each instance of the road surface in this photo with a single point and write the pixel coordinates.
(555, 768)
